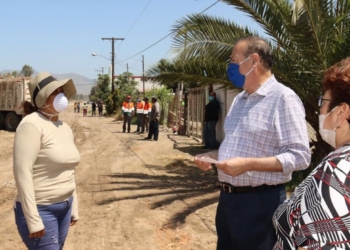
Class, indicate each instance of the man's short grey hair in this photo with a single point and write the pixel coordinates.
(261, 47)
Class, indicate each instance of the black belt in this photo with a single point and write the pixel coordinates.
(228, 188)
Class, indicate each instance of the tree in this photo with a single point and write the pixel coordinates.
(27, 70)
(307, 36)
(103, 87)
(164, 97)
(125, 85)
(93, 94)
(102, 92)
(14, 73)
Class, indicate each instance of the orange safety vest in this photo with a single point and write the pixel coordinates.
(139, 107)
(128, 107)
(147, 108)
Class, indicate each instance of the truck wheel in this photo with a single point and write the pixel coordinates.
(2, 120)
(11, 121)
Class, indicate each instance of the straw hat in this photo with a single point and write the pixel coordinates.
(44, 84)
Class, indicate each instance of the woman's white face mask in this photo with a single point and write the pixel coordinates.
(327, 134)
(60, 103)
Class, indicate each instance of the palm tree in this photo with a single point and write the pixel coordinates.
(307, 36)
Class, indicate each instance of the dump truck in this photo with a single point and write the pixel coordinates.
(13, 91)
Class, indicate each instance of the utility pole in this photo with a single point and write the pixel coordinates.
(143, 74)
(99, 70)
(127, 71)
(113, 39)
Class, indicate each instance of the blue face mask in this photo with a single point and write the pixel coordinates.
(235, 76)
(211, 98)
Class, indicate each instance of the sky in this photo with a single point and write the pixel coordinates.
(60, 36)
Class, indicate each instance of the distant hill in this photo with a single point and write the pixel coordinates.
(82, 83)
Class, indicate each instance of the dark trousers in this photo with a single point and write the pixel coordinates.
(210, 134)
(139, 122)
(244, 220)
(145, 123)
(153, 130)
(127, 119)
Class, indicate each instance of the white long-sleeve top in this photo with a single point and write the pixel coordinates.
(44, 161)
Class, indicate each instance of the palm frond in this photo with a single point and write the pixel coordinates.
(193, 72)
(206, 36)
(270, 15)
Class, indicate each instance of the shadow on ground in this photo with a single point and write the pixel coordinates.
(188, 145)
(180, 182)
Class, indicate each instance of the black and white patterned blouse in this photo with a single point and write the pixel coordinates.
(316, 216)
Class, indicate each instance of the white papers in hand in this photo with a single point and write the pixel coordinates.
(208, 159)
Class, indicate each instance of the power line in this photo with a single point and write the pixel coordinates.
(166, 35)
(138, 17)
(136, 62)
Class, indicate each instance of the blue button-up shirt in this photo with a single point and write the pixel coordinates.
(268, 122)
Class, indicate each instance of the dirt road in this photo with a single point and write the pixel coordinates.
(133, 194)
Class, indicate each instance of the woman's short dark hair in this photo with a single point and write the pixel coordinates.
(337, 81)
(28, 108)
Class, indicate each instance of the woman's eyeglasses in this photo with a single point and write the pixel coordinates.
(321, 101)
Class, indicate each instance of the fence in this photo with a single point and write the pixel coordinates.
(186, 112)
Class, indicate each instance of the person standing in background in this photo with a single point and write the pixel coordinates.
(100, 108)
(146, 113)
(139, 114)
(44, 161)
(85, 109)
(93, 109)
(154, 123)
(211, 117)
(127, 113)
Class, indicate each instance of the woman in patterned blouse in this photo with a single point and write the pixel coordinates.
(317, 214)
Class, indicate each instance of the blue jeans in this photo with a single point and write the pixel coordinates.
(56, 219)
(210, 134)
(244, 220)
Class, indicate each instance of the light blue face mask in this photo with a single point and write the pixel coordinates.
(235, 76)
(211, 98)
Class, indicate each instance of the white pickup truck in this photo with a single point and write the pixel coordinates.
(13, 91)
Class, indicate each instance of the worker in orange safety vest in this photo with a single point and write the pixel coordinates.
(127, 113)
(139, 114)
(146, 112)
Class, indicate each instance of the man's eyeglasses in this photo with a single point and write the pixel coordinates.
(321, 101)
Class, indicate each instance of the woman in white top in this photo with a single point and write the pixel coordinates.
(44, 161)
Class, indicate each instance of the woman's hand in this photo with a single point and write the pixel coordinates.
(72, 222)
(38, 234)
